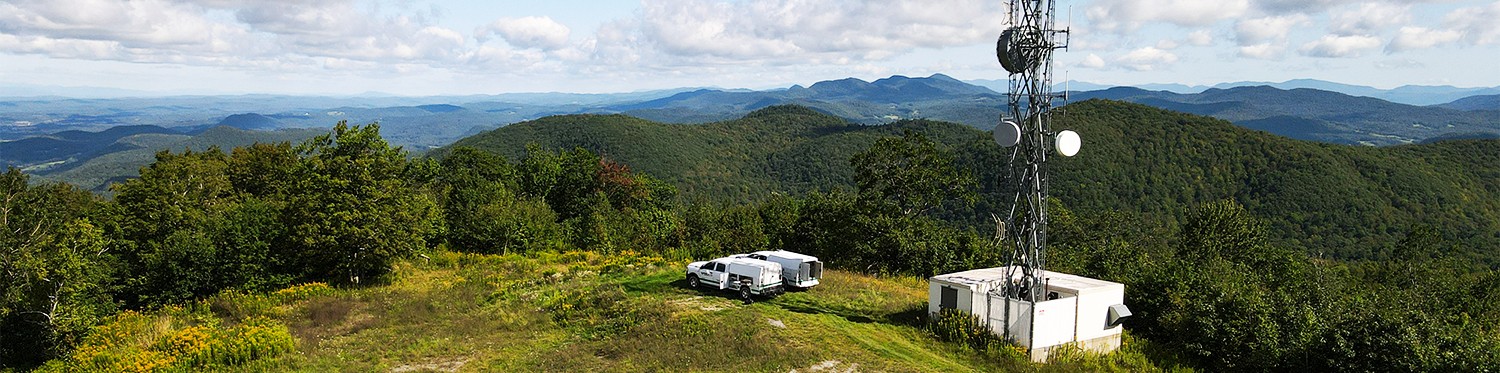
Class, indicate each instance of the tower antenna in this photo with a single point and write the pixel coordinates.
(1025, 51)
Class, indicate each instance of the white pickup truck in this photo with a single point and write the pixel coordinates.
(797, 270)
(749, 277)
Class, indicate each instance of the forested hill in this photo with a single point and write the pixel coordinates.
(780, 149)
(1348, 201)
(1341, 201)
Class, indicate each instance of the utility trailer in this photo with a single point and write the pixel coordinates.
(797, 270)
(749, 277)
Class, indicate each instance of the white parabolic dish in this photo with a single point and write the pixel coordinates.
(1007, 134)
(1068, 143)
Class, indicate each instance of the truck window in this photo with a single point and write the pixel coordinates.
(719, 267)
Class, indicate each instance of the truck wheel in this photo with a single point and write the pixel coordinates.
(692, 281)
(745, 292)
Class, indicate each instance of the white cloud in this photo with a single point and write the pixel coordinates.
(1405, 63)
(1127, 15)
(529, 32)
(1146, 59)
(794, 30)
(1370, 18)
(1335, 46)
(1267, 29)
(1200, 38)
(1409, 38)
(259, 34)
(1264, 51)
(1479, 24)
(1093, 61)
(135, 24)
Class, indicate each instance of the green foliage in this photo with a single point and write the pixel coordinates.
(966, 329)
(176, 340)
(779, 149)
(1225, 298)
(1347, 202)
(909, 174)
(55, 265)
(1208, 226)
(356, 211)
(124, 159)
(1340, 201)
(711, 230)
(186, 233)
(482, 212)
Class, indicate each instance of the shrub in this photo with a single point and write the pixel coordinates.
(175, 339)
(966, 329)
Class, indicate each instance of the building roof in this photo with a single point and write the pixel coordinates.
(1057, 280)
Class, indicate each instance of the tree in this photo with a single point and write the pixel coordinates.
(263, 169)
(55, 266)
(473, 181)
(356, 212)
(167, 220)
(910, 174)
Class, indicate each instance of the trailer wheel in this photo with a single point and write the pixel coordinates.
(693, 281)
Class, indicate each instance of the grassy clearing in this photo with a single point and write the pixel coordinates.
(571, 311)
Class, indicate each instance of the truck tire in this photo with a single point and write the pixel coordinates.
(745, 292)
(692, 281)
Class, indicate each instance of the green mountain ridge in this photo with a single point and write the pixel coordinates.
(782, 149)
(1344, 201)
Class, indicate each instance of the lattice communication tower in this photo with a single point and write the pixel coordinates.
(1025, 51)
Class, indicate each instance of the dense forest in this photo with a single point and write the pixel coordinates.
(1239, 250)
(1348, 202)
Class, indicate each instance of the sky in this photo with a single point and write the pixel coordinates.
(416, 48)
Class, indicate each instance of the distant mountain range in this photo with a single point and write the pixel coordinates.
(1316, 115)
(898, 97)
(1418, 95)
(123, 158)
(50, 135)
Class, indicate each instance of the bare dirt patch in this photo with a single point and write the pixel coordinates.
(440, 366)
(702, 303)
(831, 366)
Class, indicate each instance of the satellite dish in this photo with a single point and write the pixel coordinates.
(1007, 134)
(1068, 143)
(1016, 49)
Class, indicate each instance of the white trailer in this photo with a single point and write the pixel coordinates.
(798, 270)
(747, 276)
(1075, 309)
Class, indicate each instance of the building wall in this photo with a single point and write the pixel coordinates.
(1079, 316)
(965, 297)
(1093, 312)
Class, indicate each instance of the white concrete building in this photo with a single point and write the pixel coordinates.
(1075, 309)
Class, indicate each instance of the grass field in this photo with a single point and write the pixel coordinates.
(566, 312)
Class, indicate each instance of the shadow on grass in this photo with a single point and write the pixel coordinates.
(915, 316)
(711, 291)
(801, 306)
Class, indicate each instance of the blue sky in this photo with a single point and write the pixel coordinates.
(412, 47)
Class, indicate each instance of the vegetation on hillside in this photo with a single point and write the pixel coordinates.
(1342, 201)
(560, 259)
